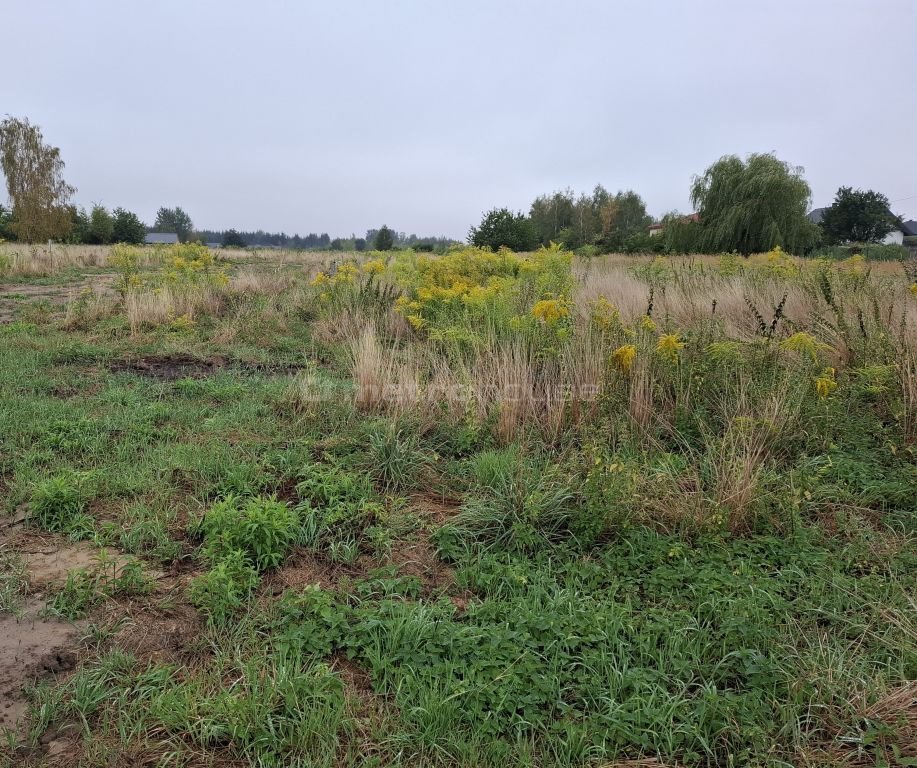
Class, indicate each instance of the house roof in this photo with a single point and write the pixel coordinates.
(816, 215)
(161, 238)
(661, 225)
(909, 227)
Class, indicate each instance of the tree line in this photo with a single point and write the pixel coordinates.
(741, 205)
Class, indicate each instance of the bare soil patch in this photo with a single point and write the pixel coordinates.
(50, 566)
(306, 567)
(31, 648)
(182, 366)
(14, 295)
(170, 367)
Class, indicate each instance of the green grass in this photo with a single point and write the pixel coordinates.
(14, 581)
(563, 628)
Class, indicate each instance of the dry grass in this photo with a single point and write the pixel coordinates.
(895, 742)
(21, 260)
(268, 282)
(151, 307)
(26, 260)
(89, 306)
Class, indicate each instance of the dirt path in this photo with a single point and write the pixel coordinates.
(14, 295)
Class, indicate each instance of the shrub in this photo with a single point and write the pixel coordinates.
(501, 228)
(262, 528)
(223, 590)
(336, 506)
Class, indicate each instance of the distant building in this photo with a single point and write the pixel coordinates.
(895, 237)
(161, 238)
(656, 229)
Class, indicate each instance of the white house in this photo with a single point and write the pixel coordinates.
(895, 237)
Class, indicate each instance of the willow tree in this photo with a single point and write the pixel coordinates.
(753, 205)
(34, 173)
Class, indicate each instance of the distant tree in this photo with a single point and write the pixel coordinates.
(359, 244)
(127, 227)
(680, 233)
(34, 179)
(623, 218)
(858, 216)
(79, 225)
(550, 215)
(338, 245)
(384, 239)
(753, 205)
(501, 227)
(6, 219)
(101, 226)
(232, 239)
(174, 220)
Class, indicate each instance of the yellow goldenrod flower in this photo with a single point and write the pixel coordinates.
(624, 357)
(669, 345)
(320, 279)
(804, 344)
(374, 267)
(825, 384)
(647, 323)
(913, 289)
(549, 311)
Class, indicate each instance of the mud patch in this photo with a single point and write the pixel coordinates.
(181, 366)
(170, 367)
(50, 566)
(31, 648)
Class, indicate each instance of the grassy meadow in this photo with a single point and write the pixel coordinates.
(478, 509)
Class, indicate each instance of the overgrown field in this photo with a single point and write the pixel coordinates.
(481, 509)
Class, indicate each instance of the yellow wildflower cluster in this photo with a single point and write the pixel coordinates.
(826, 383)
(603, 314)
(188, 264)
(669, 346)
(446, 291)
(374, 267)
(855, 265)
(182, 322)
(624, 356)
(346, 274)
(647, 323)
(549, 311)
(777, 263)
(729, 265)
(803, 344)
(913, 289)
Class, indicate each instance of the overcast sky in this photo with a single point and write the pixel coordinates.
(340, 116)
